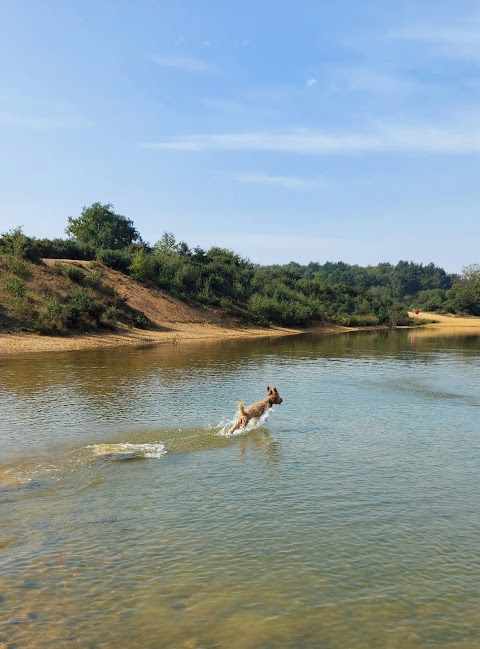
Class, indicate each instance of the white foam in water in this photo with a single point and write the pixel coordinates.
(126, 451)
(256, 422)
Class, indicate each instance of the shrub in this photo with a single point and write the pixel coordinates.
(141, 321)
(116, 259)
(64, 249)
(356, 320)
(57, 269)
(83, 310)
(143, 266)
(111, 314)
(51, 317)
(75, 274)
(14, 286)
(16, 243)
(94, 278)
(17, 266)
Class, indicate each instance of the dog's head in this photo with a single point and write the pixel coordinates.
(273, 395)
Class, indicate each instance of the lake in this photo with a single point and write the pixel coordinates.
(350, 517)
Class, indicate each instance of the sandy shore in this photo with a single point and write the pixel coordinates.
(445, 325)
(28, 343)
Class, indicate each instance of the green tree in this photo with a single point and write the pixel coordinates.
(100, 227)
(464, 296)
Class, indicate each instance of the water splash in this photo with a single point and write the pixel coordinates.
(255, 422)
(127, 451)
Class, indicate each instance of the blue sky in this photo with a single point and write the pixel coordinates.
(306, 131)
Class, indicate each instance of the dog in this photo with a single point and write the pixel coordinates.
(256, 410)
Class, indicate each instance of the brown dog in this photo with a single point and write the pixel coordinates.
(256, 410)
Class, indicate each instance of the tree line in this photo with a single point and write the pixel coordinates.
(290, 294)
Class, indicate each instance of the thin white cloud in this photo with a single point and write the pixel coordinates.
(312, 82)
(287, 182)
(454, 42)
(358, 78)
(295, 142)
(406, 139)
(187, 63)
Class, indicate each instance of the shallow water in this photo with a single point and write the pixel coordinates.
(349, 518)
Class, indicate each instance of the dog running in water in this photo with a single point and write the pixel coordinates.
(256, 410)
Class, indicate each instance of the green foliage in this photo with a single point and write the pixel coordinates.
(14, 286)
(98, 226)
(17, 244)
(144, 266)
(431, 300)
(64, 249)
(116, 259)
(57, 269)
(289, 295)
(141, 321)
(111, 314)
(94, 278)
(82, 310)
(464, 296)
(51, 317)
(17, 266)
(75, 274)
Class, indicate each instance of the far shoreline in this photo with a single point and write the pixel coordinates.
(28, 343)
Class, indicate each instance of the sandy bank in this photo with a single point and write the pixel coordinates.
(446, 325)
(19, 343)
(26, 343)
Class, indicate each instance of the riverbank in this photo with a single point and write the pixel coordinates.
(172, 319)
(19, 343)
(445, 325)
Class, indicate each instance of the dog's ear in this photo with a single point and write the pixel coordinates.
(268, 389)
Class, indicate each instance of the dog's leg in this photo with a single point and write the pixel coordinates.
(241, 422)
(237, 425)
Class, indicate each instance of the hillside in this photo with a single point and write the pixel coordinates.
(36, 305)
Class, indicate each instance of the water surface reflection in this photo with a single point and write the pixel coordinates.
(349, 519)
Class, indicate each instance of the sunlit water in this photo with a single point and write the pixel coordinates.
(350, 518)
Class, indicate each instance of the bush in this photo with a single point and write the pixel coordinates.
(57, 269)
(116, 259)
(82, 310)
(51, 317)
(75, 274)
(17, 266)
(64, 249)
(111, 314)
(94, 278)
(356, 320)
(143, 267)
(16, 243)
(141, 321)
(14, 286)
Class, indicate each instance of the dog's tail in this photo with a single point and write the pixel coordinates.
(241, 408)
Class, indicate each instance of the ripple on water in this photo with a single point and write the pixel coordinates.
(350, 518)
